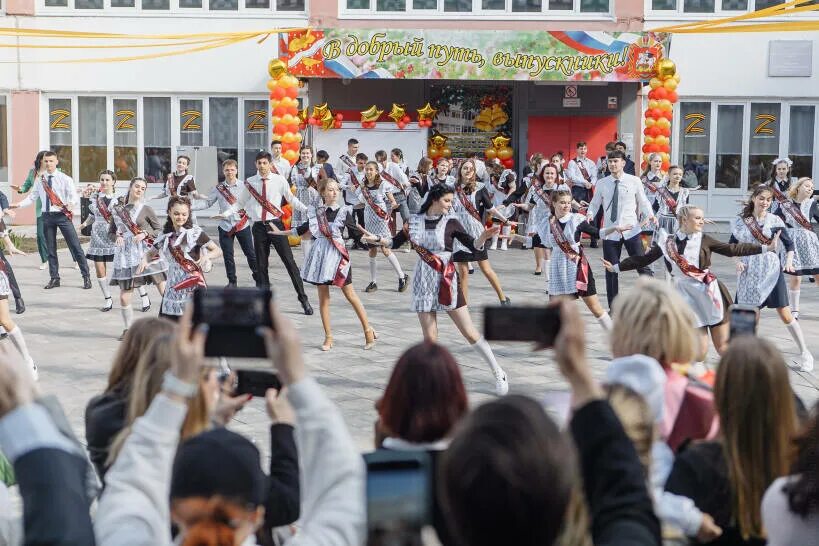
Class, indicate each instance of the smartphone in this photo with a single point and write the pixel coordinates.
(538, 324)
(233, 315)
(399, 496)
(255, 382)
(743, 320)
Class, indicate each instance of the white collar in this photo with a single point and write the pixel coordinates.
(404, 445)
(690, 236)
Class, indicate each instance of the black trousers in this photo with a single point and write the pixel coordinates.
(611, 252)
(355, 235)
(598, 222)
(246, 243)
(52, 221)
(262, 241)
(15, 288)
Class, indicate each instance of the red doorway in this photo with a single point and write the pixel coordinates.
(550, 134)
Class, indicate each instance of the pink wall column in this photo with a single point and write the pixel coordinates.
(25, 123)
(20, 7)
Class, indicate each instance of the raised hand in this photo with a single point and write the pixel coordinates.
(608, 265)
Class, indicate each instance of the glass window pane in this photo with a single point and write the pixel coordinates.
(729, 146)
(390, 5)
(493, 4)
(4, 144)
(93, 137)
(190, 123)
(764, 145)
(664, 5)
(526, 5)
(358, 4)
(561, 5)
(265, 4)
(698, 6)
(290, 5)
(125, 139)
(224, 5)
(56, 3)
(122, 3)
(190, 3)
(88, 4)
(458, 5)
(800, 144)
(762, 4)
(59, 132)
(224, 130)
(424, 4)
(695, 135)
(157, 137)
(255, 124)
(156, 4)
(735, 5)
(594, 6)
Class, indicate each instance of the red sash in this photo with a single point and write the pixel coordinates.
(389, 178)
(347, 161)
(195, 277)
(688, 269)
(583, 169)
(231, 199)
(582, 277)
(103, 208)
(447, 272)
(55, 199)
(274, 169)
(262, 200)
(324, 228)
(670, 202)
(381, 213)
(753, 227)
(467, 203)
(132, 226)
(546, 198)
(648, 185)
(791, 208)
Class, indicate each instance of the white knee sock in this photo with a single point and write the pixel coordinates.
(505, 230)
(106, 290)
(605, 322)
(16, 337)
(485, 351)
(793, 295)
(143, 294)
(795, 330)
(305, 247)
(373, 269)
(494, 244)
(127, 315)
(396, 266)
(546, 264)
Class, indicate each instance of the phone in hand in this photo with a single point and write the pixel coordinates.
(744, 319)
(255, 382)
(233, 315)
(524, 323)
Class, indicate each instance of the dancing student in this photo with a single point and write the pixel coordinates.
(323, 163)
(101, 248)
(419, 184)
(619, 196)
(261, 198)
(378, 203)
(652, 178)
(185, 249)
(761, 281)
(687, 253)
(33, 175)
(630, 167)
(799, 209)
(328, 263)
(58, 194)
(581, 174)
(278, 164)
(133, 228)
(346, 160)
(669, 198)
(502, 188)
(780, 178)
(441, 174)
(349, 179)
(234, 227)
(180, 182)
(470, 205)
(303, 176)
(435, 285)
(19, 304)
(397, 184)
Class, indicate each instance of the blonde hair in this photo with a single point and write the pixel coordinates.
(653, 320)
(684, 212)
(794, 190)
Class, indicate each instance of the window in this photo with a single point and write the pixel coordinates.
(153, 7)
(764, 143)
(223, 123)
(93, 143)
(729, 146)
(4, 143)
(800, 143)
(481, 7)
(711, 6)
(157, 137)
(695, 136)
(190, 123)
(126, 152)
(59, 132)
(255, 127)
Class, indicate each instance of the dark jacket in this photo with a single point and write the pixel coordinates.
(283, 500)
(104, 419)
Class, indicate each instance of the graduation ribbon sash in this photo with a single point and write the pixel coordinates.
(791, 208)
(324, 227)
(753, 227)
(262, 200)
(224, 191)
(55, 199)
(467, 203)
(103, 208)
(670, 202)
(132, 226)
(447, 271)
(196, 277)
(582, 277)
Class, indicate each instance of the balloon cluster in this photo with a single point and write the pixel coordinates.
(436, 146)
(399, 115)
(660, 112)
(284, 109)
(501, 150)
(369, 117)
(425, 115)
(322, 116)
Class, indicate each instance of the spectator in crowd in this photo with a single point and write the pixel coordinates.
(507, 475)
(727, 477)
(105, 413)
(790, 507)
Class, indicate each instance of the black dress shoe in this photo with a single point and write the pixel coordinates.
(109, 304)
(403, 283)
(308, 310)
(231, 284)
(86, 283)
(146, 308)
(506, 303)
(21, 306)
(372, 287)
(53, 283)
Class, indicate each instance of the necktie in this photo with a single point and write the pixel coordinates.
(615, 201)
(48, 199)
(264, 195)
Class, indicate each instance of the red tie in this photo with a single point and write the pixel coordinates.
(264, 195)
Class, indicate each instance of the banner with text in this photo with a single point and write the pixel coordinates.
(473, 55)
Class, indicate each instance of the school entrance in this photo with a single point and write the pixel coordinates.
(550, 134)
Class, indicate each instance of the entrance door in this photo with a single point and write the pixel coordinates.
(550, 134)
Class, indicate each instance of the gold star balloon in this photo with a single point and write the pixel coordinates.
(320, 111)
(500, 141)
(666, 69)
(397, 113)
(276, 68)
(327, 120)
(371, 114)
(303, 115)
(427, 112)
(437, 139)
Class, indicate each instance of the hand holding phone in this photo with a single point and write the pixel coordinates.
(233, 315)
(538, 324)
(744, 319)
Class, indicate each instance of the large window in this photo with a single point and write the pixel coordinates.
(224, 119)
(152, 7)
(126, 150)
(255, 128)
(157, 138)
(695, 138)
(60, 122)
(93, 142)
(353, 8)
(191, 128)
(709, 6)
(800, 141)
(729, 146)
(764, 142)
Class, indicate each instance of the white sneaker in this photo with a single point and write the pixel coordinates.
(43, 265)
(34, 373)
(807, 362)
(501, 384)
(503, 246)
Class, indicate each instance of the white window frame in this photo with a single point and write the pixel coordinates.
(173, 11)
(652, 14)
(477, 12)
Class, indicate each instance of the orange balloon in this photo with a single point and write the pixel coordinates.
(288, 137)
(292, 92)
(505, 153)
(446, 152)
(490, 153)
(433, 153)
(291, 155)
(670, 84)
(654, 83)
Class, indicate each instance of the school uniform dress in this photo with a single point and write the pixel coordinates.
(301, 176)
(398, 172)
(562, 267)
(651, 181)
(805, 241)
(8, 283)
(540, 208)
(322, 262)
(376, 225)
(5, 265)
(762, 284)
(101, 247)
(781, 185)
(436, 234)
(190, 241)
(128, 256)
(578, 172)
(346, 180)
(708, 300)
(480, 202)
(666, 210)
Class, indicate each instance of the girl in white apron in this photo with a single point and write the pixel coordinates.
(101, 248)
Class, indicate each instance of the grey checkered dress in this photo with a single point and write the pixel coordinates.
(425, 280)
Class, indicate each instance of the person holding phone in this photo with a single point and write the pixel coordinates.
(101, 248)
(328, 263)
(435, 287)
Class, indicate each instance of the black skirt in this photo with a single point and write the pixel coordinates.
(778, 297)
(465, 256)
(144, 280)
(349, 280)
(100, 259)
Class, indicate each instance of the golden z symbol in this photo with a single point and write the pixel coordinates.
(693, 128)
(764, 120)
(123, 122)
(58, 117)
(190, 121)
(256, 120)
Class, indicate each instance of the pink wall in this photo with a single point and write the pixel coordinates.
(20, 7)
(25, 115)
(629, 16)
